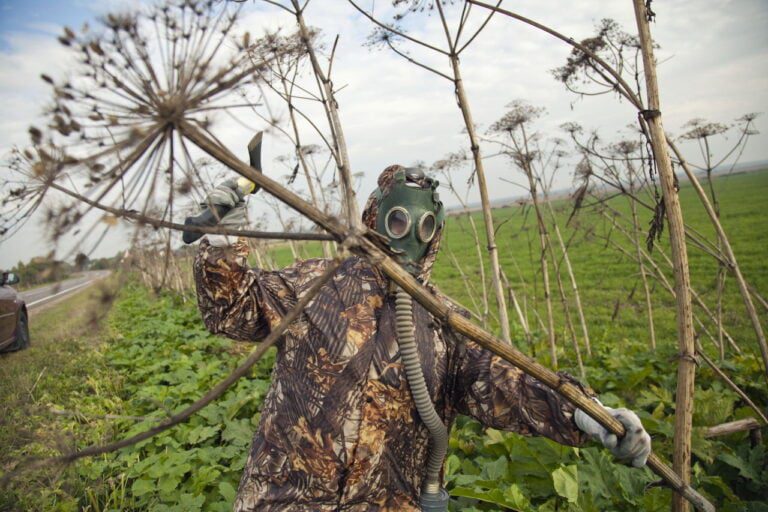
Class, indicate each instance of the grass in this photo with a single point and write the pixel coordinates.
(63, 365)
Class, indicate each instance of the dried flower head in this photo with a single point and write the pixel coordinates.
(699, 128)
(381, 37)
(582, 75)
(624, 148)
(418, 6)
(452, 162)
(519, 114)
(582, 178)
(28, 175)
(139, 80)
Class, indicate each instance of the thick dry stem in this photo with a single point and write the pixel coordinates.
(332, 110)
(207, 230)
(732, 427)
(686, 373)
(490, 235)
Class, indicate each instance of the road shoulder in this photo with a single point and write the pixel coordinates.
(64, 363)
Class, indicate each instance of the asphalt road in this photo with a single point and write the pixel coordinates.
(43, 295)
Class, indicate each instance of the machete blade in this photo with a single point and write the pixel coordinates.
(254, 151)
(254, 155)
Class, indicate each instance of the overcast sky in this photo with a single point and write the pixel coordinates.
(713, 64)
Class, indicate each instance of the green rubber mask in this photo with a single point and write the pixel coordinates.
(410, 216)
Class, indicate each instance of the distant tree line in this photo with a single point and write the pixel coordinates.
(41, 270)
(44, 269)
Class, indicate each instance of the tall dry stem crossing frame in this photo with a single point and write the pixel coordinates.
(686, 372)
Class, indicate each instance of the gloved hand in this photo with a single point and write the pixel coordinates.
(228, 196)
(634, 447)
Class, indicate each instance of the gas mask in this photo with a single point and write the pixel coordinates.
(410, 215)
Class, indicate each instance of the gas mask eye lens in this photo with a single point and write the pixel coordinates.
(427, 227)
(398, 221)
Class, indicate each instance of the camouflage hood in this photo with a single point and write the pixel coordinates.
(370, 213)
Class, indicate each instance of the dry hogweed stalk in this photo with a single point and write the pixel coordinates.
(459, 34)
(286, 76)
(138, 77)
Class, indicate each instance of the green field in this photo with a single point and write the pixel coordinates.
(609, 282)
(607, 278)
(152, 356)
(624, 371)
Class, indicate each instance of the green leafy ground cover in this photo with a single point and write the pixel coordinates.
(168, 360)
(63, 366)
(152, 357)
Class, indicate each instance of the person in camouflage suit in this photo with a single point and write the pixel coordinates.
(338, 429)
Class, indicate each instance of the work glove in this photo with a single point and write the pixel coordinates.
(228, 194)
(633, 448)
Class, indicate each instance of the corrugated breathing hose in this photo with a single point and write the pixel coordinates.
(433, 497)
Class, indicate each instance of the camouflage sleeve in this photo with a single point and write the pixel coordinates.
(238, 301)
(502, 396)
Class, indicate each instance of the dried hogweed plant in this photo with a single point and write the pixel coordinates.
(460, 29)
(116, 121)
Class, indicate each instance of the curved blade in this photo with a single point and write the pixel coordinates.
(254, 156)
(254, 151)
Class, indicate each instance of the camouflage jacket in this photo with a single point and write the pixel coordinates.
(339, 429)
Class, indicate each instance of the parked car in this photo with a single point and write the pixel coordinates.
(14, 321)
